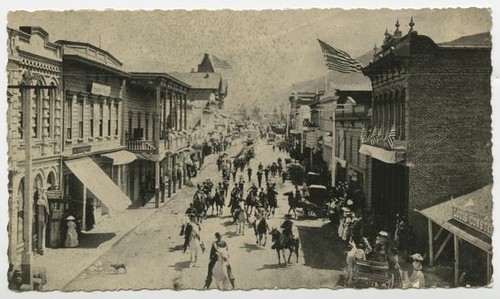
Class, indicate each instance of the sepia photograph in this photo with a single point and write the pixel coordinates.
(248, 149)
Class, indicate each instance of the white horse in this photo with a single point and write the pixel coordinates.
(219, 273)
(241, 218)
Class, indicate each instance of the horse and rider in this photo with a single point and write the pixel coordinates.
(285, 240)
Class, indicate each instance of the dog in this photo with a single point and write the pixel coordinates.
(117, 268)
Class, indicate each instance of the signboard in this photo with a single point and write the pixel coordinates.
(82, 149)
(474, 221)
(311, 139)
(101, 89)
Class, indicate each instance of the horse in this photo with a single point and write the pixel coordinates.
(218, 201)
(261, 228)
(220, 274)
(280, 244)
(199, 206)
(241, 218)
(272, 201)
(250, 202)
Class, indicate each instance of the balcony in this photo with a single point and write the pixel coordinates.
(141, 145)
(351, 112)
(176, 142)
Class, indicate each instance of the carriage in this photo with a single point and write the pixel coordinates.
(371, 274)
(317, 203)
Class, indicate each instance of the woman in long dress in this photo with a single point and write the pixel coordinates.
(195, 244)
(71, 234)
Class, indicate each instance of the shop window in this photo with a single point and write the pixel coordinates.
(130, 118)
(36, 113)
(147, 128)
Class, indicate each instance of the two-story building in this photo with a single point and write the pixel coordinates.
(33, 133)
(156, 131)
(430, 136)
(94, 171)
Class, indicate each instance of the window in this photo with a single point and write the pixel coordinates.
(20, 212)
(109, 119)
(154, 128)
(130, 116)
(350, 148)
(147, 128)
(69, 118)
(66, 183)
(21, 115)
(80, 119)
(101, 119)
(138, 120)
(52, 99)
(117, 112)
(91, 120)
(36, 114)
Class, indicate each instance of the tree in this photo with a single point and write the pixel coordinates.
(256, 113)
(296, 173)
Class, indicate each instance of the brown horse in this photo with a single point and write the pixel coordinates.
(281, 243)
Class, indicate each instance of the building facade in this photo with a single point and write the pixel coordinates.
(34, 76)
(94, 171)
(431, 127)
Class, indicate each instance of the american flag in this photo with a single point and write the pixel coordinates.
(338, 60)
(373, 136)
(380, 136)
(391, 137)
(220, 63)
(364, 135)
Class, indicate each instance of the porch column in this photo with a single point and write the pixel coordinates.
(431, 242)
(171, 116)
(84, 207)
(180, 112)
(457, 259)
(164, 119)
(176, 118)
(168, 169)
(162, 180)
(174, 180)
(157, 184)
(185, 111)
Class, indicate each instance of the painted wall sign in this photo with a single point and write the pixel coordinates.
(474, 221)
(82, 149)
(101, 89)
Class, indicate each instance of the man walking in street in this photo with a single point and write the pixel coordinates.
(259, 178)
(249, 171)
(266, 173)
(219, 250)
(234, 174)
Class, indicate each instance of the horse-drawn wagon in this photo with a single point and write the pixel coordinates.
(317, 202)
(370, 273)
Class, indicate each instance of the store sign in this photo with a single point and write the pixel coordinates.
(474, 221)
(101, 89)
(82, 149)
(311, 139)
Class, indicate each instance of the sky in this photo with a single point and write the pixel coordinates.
(268, 50)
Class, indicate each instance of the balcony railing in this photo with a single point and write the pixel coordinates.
(176, 142)
(141, 145)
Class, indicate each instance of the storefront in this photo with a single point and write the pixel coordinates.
(468, 221)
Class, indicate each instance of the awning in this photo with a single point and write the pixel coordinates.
(445, 215)
(99, 183)
(121, 157)
(391, 157)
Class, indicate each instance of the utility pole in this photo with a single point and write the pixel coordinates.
(333, 143)
(26, 98)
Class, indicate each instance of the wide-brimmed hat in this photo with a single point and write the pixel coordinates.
(70, 217)
(383, 233)
(417, 257)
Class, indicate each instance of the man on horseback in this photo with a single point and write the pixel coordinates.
(218, 246)
(287, 227)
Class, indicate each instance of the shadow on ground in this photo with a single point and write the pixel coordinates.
(330, 256)
(251, 247)
(93, 240)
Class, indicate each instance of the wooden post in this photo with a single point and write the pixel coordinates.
(174, 174)
(157, 184)
(457, 259)
(185, 111)
(440, 250)
(431, 242)
(84, 207)
(168, 168)
(488, 268)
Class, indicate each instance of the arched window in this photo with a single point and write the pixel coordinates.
(20, 212)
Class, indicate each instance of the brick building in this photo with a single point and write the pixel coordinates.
(434, 99)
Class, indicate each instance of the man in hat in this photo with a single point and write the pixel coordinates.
(249, 171)
(188, 228)
(259, 177)
(218, 246)
(287, 227)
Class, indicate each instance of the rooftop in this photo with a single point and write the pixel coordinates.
(200, 80)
